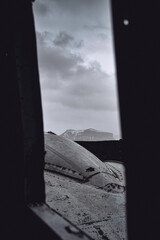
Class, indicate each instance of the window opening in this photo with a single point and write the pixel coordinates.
(81, 113)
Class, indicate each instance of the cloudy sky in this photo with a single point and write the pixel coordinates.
(76, 64)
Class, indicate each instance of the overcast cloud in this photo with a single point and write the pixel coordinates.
(76, 64)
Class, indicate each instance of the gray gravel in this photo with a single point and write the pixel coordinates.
(100, 214)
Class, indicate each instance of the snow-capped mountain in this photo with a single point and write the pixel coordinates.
(87, 135)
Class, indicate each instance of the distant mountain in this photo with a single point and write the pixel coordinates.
(50, 132)
(87, 135)
(116, 137)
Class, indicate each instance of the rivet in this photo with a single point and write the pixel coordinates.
(126, 22)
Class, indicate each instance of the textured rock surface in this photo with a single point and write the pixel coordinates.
(100, 214)
(87, 135)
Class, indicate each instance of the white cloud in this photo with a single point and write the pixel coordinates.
(76, 65)
(78, 85)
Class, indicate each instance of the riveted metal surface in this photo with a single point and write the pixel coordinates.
(67, 157)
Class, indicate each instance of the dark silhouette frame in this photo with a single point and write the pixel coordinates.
(137, 47)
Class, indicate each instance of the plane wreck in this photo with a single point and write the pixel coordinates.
(68, 158)
(85, 190)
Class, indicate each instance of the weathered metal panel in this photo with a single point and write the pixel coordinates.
(69, 158)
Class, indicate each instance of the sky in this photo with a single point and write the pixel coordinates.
(76, 65)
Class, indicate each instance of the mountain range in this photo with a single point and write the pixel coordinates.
(87, 135)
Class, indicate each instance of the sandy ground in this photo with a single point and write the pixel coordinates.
(100, 214)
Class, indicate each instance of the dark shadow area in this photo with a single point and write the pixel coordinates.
(137, 45)
(105, 150)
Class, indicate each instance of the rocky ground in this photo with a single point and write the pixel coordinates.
(100, 214)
